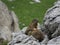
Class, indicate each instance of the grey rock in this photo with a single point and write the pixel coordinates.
(8, 22)
(39, 26)
(44, 42)
(24, 40)
(15, 25)
(37, 1)
(54, 41)
(24, 29)
(52, 20)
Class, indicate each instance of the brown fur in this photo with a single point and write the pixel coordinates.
(38, 34)
(31, 26)
(32, 30)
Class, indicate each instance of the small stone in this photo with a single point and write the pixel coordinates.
(37, 1)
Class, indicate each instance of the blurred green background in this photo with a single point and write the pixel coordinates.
(26, 10)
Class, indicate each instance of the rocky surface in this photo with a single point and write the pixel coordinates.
(8, 22)
(52, 23)
(22, 39)
(54, 41)
(52, 20)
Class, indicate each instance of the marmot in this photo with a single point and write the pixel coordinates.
(31, 26)
(32, 30)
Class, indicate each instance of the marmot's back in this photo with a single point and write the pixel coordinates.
(38, 34)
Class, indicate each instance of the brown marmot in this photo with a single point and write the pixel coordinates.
(32, 30)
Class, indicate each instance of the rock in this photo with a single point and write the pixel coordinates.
(24, 29)
(37, 1)
(24, 40)
(15, 25)
(8, 22)
(39, 26)
(54, 41)
(52, 20)
(44, 42)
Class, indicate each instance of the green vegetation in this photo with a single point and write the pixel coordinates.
(26, 12)
(4, 43)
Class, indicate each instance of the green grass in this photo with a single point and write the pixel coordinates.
(26, 12)
(4, 43)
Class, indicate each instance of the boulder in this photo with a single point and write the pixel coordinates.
(8, 22)
(52, 20)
